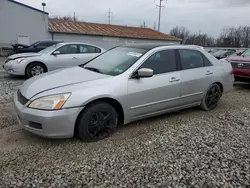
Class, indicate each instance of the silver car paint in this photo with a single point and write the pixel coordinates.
(52, 62)
(139, 98)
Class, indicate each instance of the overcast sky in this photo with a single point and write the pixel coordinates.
(206, 16)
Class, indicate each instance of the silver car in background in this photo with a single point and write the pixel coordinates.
(122, 85)
(55, 57)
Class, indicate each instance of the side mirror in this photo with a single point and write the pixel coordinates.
(144, 73)
(239, 53)
(56, 52)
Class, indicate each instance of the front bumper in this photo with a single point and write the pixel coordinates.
(14, 69)
(48, 124)
(241, 73)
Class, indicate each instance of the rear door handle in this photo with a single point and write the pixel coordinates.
(75, 58)
(173, 79)
(209, 72)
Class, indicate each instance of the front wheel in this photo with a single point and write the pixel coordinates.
(212, 97)
(98, 121)
(35, 69)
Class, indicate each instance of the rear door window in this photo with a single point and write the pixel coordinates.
(68, 49)
(88, 49)
(191, 59)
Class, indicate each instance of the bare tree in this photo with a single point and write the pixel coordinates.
(229, 37)
(180, 32)
(69, 18)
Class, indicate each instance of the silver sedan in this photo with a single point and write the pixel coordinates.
(55, 57)
(122, 85)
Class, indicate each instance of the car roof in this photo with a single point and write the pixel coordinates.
(146, 46)
(149, 46)
(64, 43)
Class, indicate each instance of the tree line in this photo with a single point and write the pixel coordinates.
(229, 37)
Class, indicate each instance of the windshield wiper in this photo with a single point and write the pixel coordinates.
(93, 69)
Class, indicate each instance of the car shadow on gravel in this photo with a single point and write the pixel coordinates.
(7, 77)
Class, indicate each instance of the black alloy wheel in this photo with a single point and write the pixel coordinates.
(98, 121)
(212, 97)
(100, 124)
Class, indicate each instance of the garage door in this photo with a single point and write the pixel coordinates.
(23, 39)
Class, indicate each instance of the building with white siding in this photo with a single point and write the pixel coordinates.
(20, 23)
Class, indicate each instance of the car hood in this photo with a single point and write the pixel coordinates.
(56, 79)
(15, 56)
(239, 59)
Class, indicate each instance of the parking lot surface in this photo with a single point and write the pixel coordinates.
(190, 148)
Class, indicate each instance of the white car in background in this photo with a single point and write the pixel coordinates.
(58, 56)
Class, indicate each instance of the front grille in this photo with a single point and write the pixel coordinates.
(21, 98)
(240, 65)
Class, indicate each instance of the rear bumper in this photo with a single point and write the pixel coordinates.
(242, 73)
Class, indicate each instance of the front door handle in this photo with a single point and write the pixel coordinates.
(209, 72)
(173, 79)
(75, 58)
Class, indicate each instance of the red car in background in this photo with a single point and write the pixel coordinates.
(241, 65)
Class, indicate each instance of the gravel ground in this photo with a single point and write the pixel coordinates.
(191, 148)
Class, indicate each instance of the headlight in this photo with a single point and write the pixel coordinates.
(19, 60)
(52, 102)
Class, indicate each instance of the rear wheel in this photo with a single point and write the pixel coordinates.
(98, 121)
(35, 69)
(212, 97)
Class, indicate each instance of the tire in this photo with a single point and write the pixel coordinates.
(212, 97)
(98, 121)
(35, 69)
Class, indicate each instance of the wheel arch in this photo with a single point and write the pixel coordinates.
(113, 102)
(221, 86)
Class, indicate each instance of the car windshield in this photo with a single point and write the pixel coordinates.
(246, 53)
(49, 49)
(233, 55)
(219, 53)
(34, 44)
(115, 61)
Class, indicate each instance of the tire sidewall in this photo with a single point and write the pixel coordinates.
(82, 128)
(203, 104)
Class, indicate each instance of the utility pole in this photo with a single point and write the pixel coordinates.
(44, 5)
(109, 16)
(160, 7)
(154, 25)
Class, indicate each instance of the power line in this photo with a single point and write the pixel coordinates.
(109, 16)
(159, 19)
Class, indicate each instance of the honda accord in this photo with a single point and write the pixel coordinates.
(122, 85)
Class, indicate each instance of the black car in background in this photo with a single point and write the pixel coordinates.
(35, 47)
